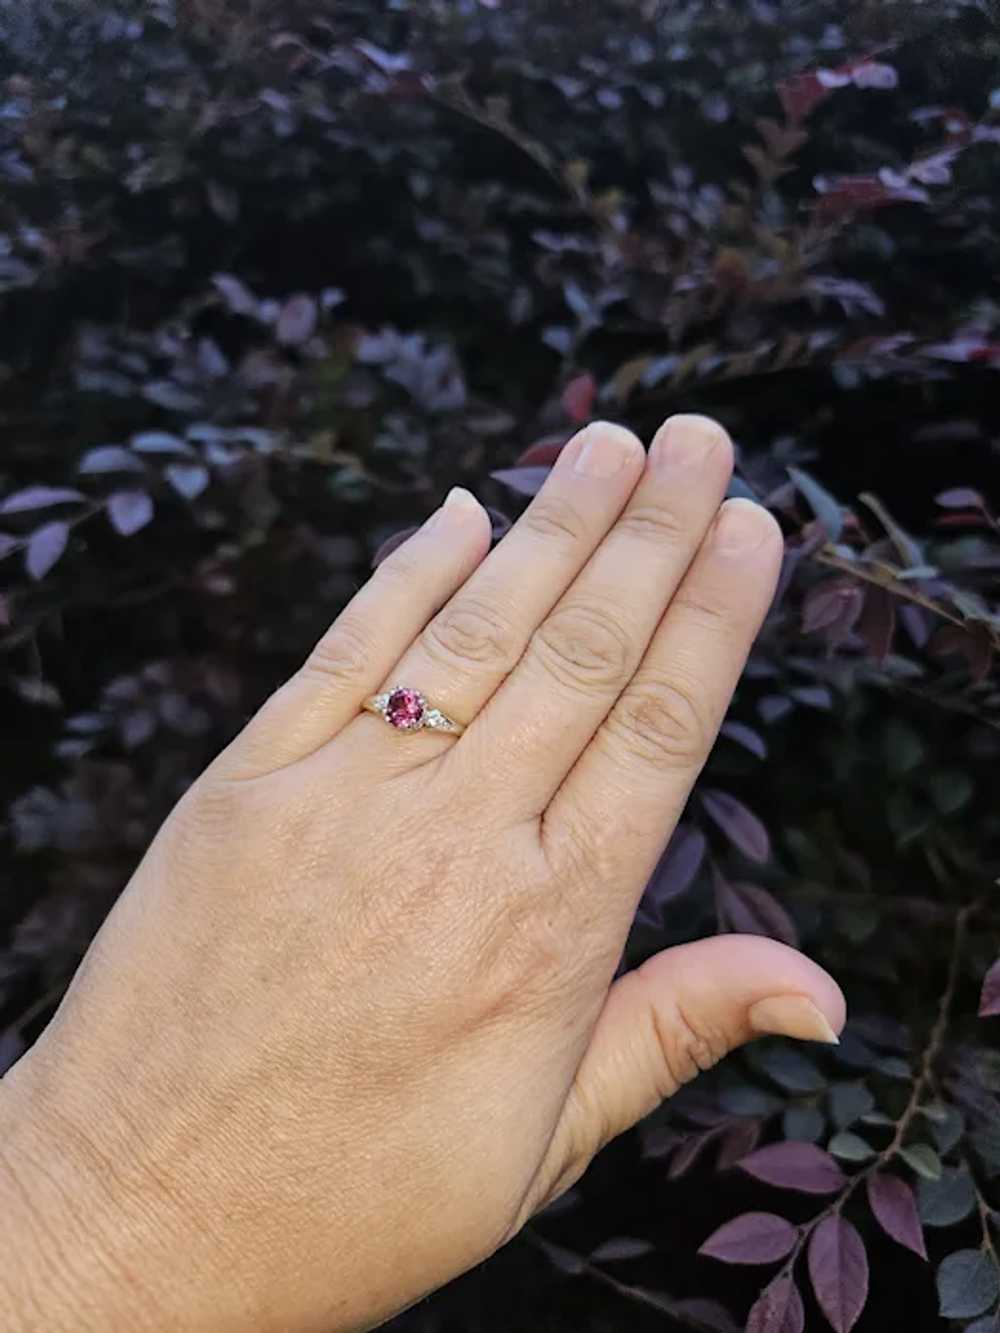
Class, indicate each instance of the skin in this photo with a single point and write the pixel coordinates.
(354, 1020)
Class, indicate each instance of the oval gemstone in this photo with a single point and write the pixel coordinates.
(405, 710)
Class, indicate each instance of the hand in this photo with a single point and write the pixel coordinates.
(353, 1020)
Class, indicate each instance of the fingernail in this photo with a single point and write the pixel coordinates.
(459, 505)
(792, 1016)
(605, 450)
(741, 527)
(686, 439)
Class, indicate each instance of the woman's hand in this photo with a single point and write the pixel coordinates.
(353, 1020)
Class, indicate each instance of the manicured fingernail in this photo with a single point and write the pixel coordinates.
(741, 527)
(605, 449)
(683, 440)
(792, 1016)
(459, 505)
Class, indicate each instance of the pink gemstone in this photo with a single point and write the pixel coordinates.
(405, 709)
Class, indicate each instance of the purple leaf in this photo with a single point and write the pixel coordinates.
(895, 1209)
(235, 293)
(391, 544)
(838, 1267)
(877, 623)
(501, 523)
(160, 442)
(688, 1153)
(619, 1248)
(773, 707)
(578, 398)
(297, 321)
(736, 1142)
(740, 825)
(7, 544)
(678, 865)
(544, 452)
(45, 547)
(989, 1001)
(746, 736)
(751, 910)
(961, 497)
(823, 606)
(778, 1309)
(821, 502)
(524, 480)
(109, 458)
(187, 479)
(38, 497)
(753, 1238)
(795, 1166)
(129, 511)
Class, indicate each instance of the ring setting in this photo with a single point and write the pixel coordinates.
(406, 709)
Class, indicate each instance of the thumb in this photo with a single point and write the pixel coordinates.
(677, 1014)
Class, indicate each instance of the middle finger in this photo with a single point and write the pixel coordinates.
(586, 651)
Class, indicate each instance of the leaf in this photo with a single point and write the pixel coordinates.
(849, 1102)
(877, 623)
(961, 497)
(751, 910)
(38, 497)
(678, 866)
(45, 548)
(821, 502)
(523, 480)
(109, 458)
(838, 1268)
(736, 1142)
(778, 1309)
(986, 1142)
(948, 1200)
(159, 442)
(746, 736)
(544, 452)
(895, 1209)
(988, 1325)
(922, 1158)
(851, 1147)
(235, 293)
(129, 511)
(803, 1123)
(752, 1238)
(740, 825)
(967, 1284)
(989, 1000)
(187, 479)
(578, 398)
(795, 1166)
(788, 1066)
(619, 1248)
(297, 321)
(688, 1153)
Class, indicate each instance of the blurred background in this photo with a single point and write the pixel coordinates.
(276, 275)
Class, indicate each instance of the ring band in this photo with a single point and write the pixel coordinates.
(407, 710)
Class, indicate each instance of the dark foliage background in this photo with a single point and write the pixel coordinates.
(274, 276)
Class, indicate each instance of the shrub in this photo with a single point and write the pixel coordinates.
(273, 281)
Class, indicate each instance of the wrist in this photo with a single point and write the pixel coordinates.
(90, 1246)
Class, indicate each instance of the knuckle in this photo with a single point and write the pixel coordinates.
(661, 723)
(653, 523)
(341, 657)
(702, 612)
(685, 1049)
(470, 631)
(555, 519)
(583, 646)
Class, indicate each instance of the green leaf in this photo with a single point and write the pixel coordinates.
(986, 1142)
(948, 1200)
(950, 790)
(893, 1067)
(849, 1102)
(850, 1147)
(878, 1118)
(904, 749)
(949, 1129)
(804, 1124)
(789, 1068)
(967, 1284)
(922, 1158)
